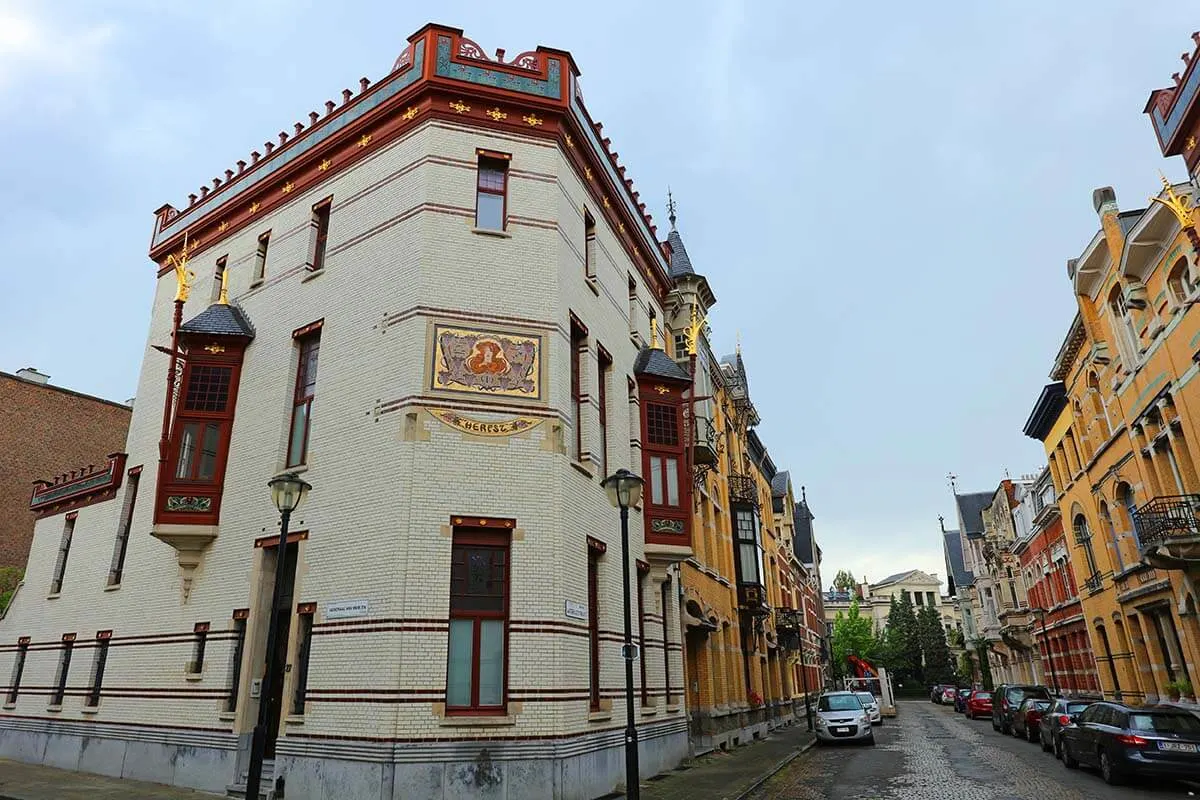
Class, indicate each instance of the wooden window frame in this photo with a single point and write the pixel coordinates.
(643, 569)
(116, 569)
(320, 237)
(666, 641)
(64, 669)
(218, 271)
(468, 537)
(14, 684)
(578, 350)
(64, 553)
(593, 589)
(199, 646)
(604, 363)
(260, 257)
(499, 162)
(304, 623)
(240, 616)
(303, 393)
(92, 699)
(589, 245)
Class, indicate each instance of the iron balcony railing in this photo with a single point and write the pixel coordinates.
(743, 489)
(705, 440)
(1094, 583)
(1166, 518)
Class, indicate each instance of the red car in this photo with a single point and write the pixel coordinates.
(979, 704)
(1028, 719)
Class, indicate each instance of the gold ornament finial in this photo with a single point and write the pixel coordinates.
(223, 299)
(1179, 205)
(654, 333)
(184, 277)
(696, 326)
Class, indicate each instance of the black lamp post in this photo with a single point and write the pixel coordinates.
(624, 490)
(287, 490)
(1041, 612)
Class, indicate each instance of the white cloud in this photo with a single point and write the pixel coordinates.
(38, 52)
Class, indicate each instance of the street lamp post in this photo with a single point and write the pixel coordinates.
(1041, 612)
(287, 490)
(624, 489)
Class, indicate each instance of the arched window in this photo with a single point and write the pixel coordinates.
(1106, 518)
(1128, 504)
(1083, 537)
(1179, 281)
(1122, 323)
(1096, 406)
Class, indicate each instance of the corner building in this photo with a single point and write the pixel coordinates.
(442, 303)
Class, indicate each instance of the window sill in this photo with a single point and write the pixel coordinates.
(593, 284)
(294, 719)
(600, 716)
(481, 721)
(90, 710)
(112, 587)
(227, 716)
(257, 282)
(299, 469)
(312, 273)
(193, 676)
(584, 470)
(490, 232)
(9, 706)
(54, 709)
(649, 711)
(54, 595)
(673, 708)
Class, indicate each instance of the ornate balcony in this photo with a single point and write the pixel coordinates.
(705, 449)
(789, 626)
(743, 489)
(1094, 583)
(1168, 531)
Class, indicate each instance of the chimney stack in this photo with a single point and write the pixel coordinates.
(33, 376)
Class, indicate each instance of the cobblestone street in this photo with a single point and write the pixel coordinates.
(930, 753)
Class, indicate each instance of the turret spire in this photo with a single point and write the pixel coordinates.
(671, 208)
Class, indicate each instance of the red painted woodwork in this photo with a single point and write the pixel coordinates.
(479, 608)
(593, 584)
(663, 438)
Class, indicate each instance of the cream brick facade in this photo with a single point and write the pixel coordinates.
(388, 477)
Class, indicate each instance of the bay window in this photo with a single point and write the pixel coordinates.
(749, 546)
(477, 654)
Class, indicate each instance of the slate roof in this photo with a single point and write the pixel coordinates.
(680, 263)
(970, 511)
(955, 565)
(1127, 219)
(893, 578)
(803, 543)
(779, 484)
(220, 319)
(652, 361)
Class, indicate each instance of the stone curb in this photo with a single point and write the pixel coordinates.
(774, 771)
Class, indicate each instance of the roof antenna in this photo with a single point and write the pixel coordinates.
(671, 208)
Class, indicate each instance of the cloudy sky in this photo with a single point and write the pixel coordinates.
(883, 195)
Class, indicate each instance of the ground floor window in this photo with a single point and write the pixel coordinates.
(477, 655)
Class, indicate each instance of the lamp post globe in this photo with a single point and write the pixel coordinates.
(624, 489)
(287, 491)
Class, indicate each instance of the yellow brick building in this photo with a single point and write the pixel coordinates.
(1123, 452)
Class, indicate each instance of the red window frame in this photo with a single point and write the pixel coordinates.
(309, 344)
(666, 642)
(184, 416)
(64, 552)
(589, 243)
(218, 274)
(593, 584)
(604, 362)
(477, 538)
(578, 347)
(320, 221)
(490, 162)
(120, 547)
(260, 256)
(643, 569)
(663, 439)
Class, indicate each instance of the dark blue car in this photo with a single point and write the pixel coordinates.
(960, 699)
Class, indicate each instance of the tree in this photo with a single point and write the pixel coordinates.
(844, 581)
(980, 646)
(853, 634)
(903, 654)
(938, 667)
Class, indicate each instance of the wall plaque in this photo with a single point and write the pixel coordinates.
(479, 427)
(346, 609)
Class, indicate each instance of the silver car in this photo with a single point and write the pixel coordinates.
(841, 717)
(872, 706)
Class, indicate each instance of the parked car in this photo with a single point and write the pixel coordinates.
(872, 706)
(935, 694)
(960, 699)
(1147, 741)
(842, 718)
(1057, 718)
(1008, 697)
(1027, 720)
(949, 693)
(979, 704)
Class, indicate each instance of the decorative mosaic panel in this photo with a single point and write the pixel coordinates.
(666, 526)
(447, 67)
(486, 362)
(184, 503)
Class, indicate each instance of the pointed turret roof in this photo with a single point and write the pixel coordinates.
(652, 361)
(220, 319)
(681, 264)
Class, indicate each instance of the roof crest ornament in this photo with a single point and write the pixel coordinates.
(1179, 205)
(184, 277)
(671, 206)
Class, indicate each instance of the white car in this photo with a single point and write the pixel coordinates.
(841, 717)
(872, 706)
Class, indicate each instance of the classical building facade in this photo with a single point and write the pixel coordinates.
(875, 599)
(1121, 454)
(54, 440)
(439, 299)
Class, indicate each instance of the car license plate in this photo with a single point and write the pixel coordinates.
(1177, 747)
(841, 730)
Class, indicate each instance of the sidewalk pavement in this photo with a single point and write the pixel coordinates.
(29, 782)
(715, 776)
(730, 775)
